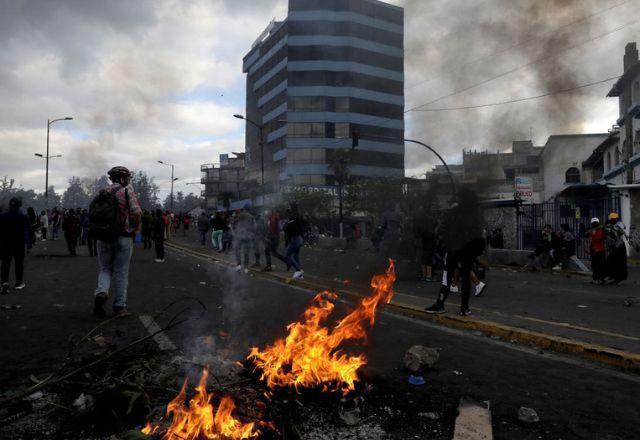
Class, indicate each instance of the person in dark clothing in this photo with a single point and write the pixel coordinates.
(293, 231)
(218, 225)
(203, 228)
(147, 228)
(462, 232)
(14, 239)
(615, 231)
(157, 232)
(92, 244)
(84, 224)
(34, 225)
(565, 246)
(272, 239)
(71, 228)
(598, 252)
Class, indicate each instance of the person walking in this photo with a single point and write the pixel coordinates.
(84, 226)
(54, 223)
(186, 222)
(597, 249)
(14, 239)
(218, 224)
(203, 228)
(462, 232)
(293, 231)
(148, 221)
(114, 219)
(157, 232)
(34, 225)
(44, 224)
(616, 242)
(71, 228)
(272, 239)
(245, 235)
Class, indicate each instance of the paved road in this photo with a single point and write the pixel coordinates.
(575, 400)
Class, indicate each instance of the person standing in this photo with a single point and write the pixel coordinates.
(272, 240)
(293, 231)
(245, 235)
(186, 222)
(566, 246)
(617, 249)
(14, 239)
(203, 228)
(114, 219)
(44, 224)
(55, 222)
(34, 225)
(71, 228)
(218, 225)
(84, 225)
(148, 221)
(597, 249)
(157, 232)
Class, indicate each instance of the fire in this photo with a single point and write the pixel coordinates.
(200, 420)
(311, 354)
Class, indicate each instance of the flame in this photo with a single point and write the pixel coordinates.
(200, 420)
(311, 353)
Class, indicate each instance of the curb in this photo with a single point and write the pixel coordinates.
(624, 360)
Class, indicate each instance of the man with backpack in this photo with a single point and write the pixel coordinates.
(114, 219)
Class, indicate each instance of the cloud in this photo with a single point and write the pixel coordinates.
(160, 79)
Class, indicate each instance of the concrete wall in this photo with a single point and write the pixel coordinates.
(563, 152)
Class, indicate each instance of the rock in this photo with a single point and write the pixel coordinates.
(528, 415)
(418, 358)
(83, 402)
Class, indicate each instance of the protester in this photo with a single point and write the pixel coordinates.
(272, 239)
(14, 239)
(565, 247)
(203, 228)
(244, 234)
(616, 249)
(72, 229)
(462, 232)
(34, 225)
(218, 224)
(44, 224)
(227, 235)
(148, 221)
(115, 245)
(597, 250)
(157, 232)
(293, 231)
(54, 223)
(186, 222)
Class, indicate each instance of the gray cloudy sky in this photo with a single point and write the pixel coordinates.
(150, 80)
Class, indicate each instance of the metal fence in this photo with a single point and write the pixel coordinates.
(577, 215)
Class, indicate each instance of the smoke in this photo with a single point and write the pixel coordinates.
(452, 45)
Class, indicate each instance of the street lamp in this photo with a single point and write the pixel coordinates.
(47, 157)
(259, 127)
(172, 180)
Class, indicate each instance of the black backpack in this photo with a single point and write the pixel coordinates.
(103, 217)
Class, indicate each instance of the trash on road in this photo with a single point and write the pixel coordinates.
(418, 358)
(429, 415)
(528, 415)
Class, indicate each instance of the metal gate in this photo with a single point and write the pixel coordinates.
(577, 214)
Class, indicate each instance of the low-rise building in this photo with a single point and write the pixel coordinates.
(223, 181)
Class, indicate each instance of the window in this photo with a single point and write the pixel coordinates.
(305, 156)
(306, 129)
(342, 105)
(311, 179)
(307, 104)
(342, 130)
(572, 175)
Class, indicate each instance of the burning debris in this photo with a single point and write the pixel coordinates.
(199, 419)
(311, 355)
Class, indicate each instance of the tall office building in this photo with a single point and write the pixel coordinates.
(330, 68)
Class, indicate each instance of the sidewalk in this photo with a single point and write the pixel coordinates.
(558, 305)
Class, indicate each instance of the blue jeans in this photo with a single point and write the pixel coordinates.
(216, 239)
(114, 259)
(292, 255)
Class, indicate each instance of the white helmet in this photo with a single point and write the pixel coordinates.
(595, 220)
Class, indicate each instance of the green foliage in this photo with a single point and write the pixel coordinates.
(373, 196)
(312, 204)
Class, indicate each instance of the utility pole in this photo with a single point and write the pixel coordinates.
(47, 157)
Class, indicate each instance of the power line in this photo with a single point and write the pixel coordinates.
(537, 60)
(527, 41)
(513, 101)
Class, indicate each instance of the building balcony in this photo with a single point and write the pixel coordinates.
(207, 166)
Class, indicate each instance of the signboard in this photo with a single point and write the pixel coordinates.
(524, 189)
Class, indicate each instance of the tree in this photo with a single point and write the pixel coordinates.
(313, 204)
(93, 187)
(75, 195)
(146, 190)
(373, 196)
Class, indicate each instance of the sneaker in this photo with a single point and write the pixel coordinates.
(480, 288)
(5, 289)
(435, 309)
(98, 305)
(238, 267)
(557, 268)
(453, 289)
(120, 312)
(20, 286)
(298, 275)
(158, 260)
(465, 312)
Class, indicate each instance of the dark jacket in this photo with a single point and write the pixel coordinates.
(14, 230)
(158, 228)
(71, 225)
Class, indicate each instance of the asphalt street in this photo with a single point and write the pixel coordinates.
(575, 399)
